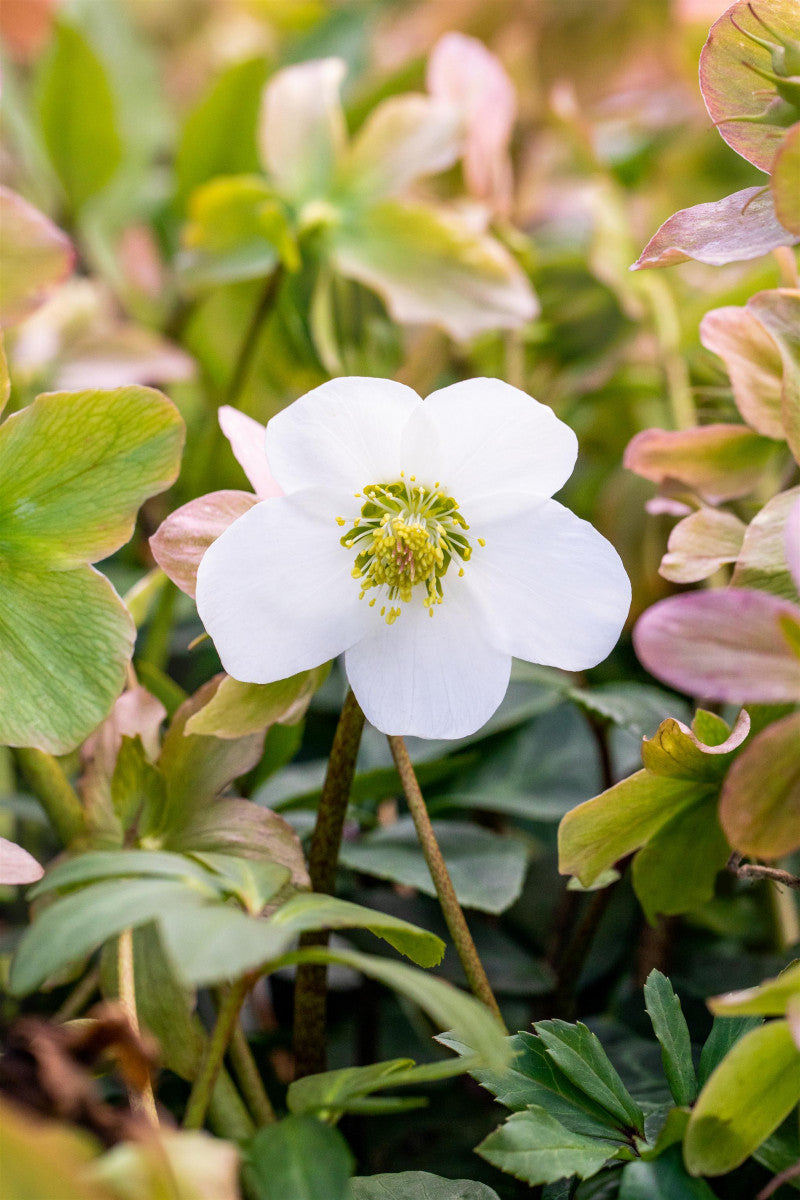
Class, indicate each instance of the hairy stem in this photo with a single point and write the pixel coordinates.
(451, 909)
(142, 1102)
(216, 1047)
(54, 792)
(312, 979)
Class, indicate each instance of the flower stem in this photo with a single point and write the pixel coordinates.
(249, 1079)
(142, 1102)
(54, 791)
(312, 979)
(247, 349)
(453, 914)
(217, 1045)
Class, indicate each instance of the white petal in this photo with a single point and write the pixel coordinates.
(496, 438)
(344, 434)
(431, 677)
(555, 590)
(275, 590)
(405, 138)
(247, 439)
(301, 129)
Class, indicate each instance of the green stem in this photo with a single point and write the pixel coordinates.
(54, 792)
(216, 1047)
(312, 979)
(666, 323)
(249, 1079)
(453, 913)
(247, 349)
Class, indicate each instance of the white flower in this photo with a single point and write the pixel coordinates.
(417, 538)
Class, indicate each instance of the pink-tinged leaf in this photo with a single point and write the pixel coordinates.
(764, 561)
(760, 801)
(136, 713)
(701, 753)
(732, 86)
(719, 462)
(247, 439)
(722, 645)
(182, 539)
(462, 71)
(16, 865)
(35, 256)
(740, 227)
(785, 181)
(25, 26)
(701, 544)
(753, 362)
(125, 355)
(301, 127)
(778, 310)
(792, 542)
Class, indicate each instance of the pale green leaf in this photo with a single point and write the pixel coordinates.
(77, 114)
(769, 999)
(753, 1089)
(237, 708)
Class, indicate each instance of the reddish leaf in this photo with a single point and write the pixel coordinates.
(753, 362)
(732, 82)
(786, 181)
(778, 311)
(739, 227)
(182, 539)
(723, 645)
(719, 462)
(760, 801)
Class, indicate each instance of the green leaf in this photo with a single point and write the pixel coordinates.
(768, 999)
(76, 110)
(77, 924)
(672, 1131)
(35, 256)
(636, 707)
(752, 1090)
(487, 869)
(218, 942)
(219, 135)
(136, 784)
(237, 230)
(725, 1033)
(335, 1092)
(677, 869)
(253, 882)
(534, 1078)
(118, 864)
(197, 768)
(35, 1154)
(535, 1147)
(664, 1178)
(720, 462)
(785, 174)
(700, 754)
(76, 466)
(65, 641)
(237, 709)
(468, 1019)
(418, 1185)
(580, 1055)
(669, 1026)
(762, 562)
(299, 1158)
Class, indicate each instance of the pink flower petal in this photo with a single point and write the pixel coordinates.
(462, 71)
(248, 443)
(16, 865)
(182, 539)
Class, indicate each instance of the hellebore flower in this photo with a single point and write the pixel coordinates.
(417, 537)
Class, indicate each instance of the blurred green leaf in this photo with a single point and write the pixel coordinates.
(669, 1026)
(35, 256)
(664, 1178)
(336, 1092)
(299, 1158)
(487, 869)
(219, 134)
(77, 115)
(725, 1033)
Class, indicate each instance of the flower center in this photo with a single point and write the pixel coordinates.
(406, 537)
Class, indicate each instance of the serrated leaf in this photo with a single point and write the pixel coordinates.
(755, 1086)
(669, 1026)
(77, 113)
(533, 1146)
(301, 1158)
(487, 869)
(580, 1055)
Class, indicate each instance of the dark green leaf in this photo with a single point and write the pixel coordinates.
(669, 1026)
(534, 1146)
(583, 1060)
(299, 1158)
(418, 1185)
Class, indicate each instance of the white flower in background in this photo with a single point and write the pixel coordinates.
(418, 538)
